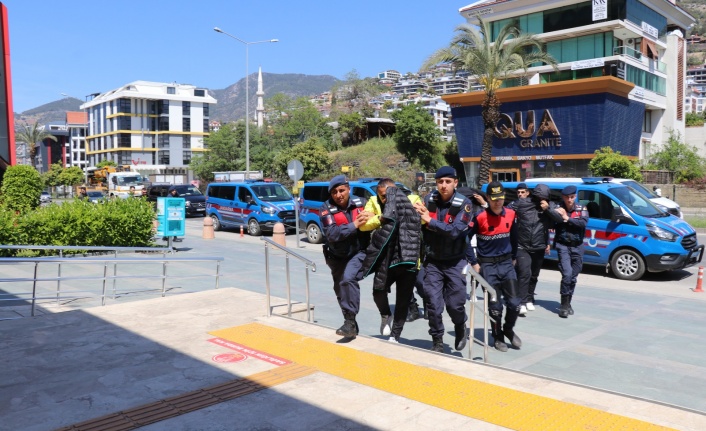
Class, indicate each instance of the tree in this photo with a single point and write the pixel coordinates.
(50, 178)
(21, 188)
(682, 159)
(32, 135)
(609, 163)
(491, 62)
(226, 152)
(417, 137)
(106, 162)
(351, 127)
(71, 177)
(311, 154)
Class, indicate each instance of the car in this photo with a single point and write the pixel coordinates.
(313, 195)
(254, 205)
(626, 232)
(195, 200)
(95, 196)
(45, 198)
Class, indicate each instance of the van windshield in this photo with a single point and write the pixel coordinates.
(271, 193)
(637, 202)
(640, 188)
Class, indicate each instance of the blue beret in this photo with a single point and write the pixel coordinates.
(522, 186)
(568, 190)
(445, 172)
(337, 181)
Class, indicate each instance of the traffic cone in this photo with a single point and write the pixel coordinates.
(241, 231)
(699, 280)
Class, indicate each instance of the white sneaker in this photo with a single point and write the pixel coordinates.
(530, 306)
(393, 340)
(523, 310)
(385, 328)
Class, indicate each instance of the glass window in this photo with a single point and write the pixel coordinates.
(205, 109)
(186, 108)
(163, 107)
(637, 203)
(124, 106)
(205, 125)
(124, 140)
(163, 123)
(124, 123)
(171, 90)
(597, 204)
(163, 157)
(186, 124)
(199, 93)
(186, 157)
(271, 192)
(186, 142)
(647, 122)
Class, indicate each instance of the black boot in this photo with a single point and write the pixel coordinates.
(438, 344)
(350, 326)
(571, 310)
(498, 337)
(508, 328)
(413, 312)
(460, 341)
(564, 307)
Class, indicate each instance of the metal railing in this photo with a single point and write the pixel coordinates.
(105, 261)
(474, 279)
(308, 263)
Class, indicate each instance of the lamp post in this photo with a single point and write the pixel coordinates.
(247, 96)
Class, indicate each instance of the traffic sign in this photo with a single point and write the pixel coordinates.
(295, 170)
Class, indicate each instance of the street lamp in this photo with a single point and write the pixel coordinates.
(247, 96)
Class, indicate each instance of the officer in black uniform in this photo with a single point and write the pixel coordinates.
(570, 230)
(446, 215)
(496, 254)
(344, 248)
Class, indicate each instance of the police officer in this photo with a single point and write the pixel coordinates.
(570, 230)
(446, 215)
(344, 248)
(496, 253)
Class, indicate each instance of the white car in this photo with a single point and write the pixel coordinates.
(45, 198)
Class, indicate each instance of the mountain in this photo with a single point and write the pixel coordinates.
(231, 100)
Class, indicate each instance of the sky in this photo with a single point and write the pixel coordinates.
(80, 47)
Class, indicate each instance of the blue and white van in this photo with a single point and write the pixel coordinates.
(626, 232)
(313, 195)
(255, 205)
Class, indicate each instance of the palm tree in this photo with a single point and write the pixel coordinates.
(32, 134)
(473, 51)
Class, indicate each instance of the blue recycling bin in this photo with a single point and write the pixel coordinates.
(171, 215)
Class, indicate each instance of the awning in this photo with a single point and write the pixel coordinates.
(648, 48)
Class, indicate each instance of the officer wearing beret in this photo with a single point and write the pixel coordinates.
(344, 248)
(570, 229)
(446, 216)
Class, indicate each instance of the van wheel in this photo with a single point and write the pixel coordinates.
(254, 228)
(313, 234)
(216, 223)
(627, 265)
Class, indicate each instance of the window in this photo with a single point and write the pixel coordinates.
(647, 122)
(200, 93)
(205, 109)
(186, 108)
(163, 123)
(186, 124)
(124, 140)
(163, 157)
(124, 123)
(186, 157)
(163, 107)
(186, 142)
(597, 204)
(171, 90)
(205, 125)
(222, 192)
(243, 194)
(163, 141)
(124, 106)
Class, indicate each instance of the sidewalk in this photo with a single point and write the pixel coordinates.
(627, 341)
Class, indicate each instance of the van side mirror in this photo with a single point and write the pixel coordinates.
(619, 216)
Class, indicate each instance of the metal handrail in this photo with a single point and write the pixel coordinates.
(62, 248)
(473, 279)
(105, 261)
(287, 252)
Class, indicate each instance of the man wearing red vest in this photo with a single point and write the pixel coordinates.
(495, 260)
(344, 248)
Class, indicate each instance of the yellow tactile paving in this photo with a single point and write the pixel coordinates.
(490, 403)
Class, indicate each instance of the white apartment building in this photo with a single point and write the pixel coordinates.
(449, 84)
(150, 125)
(695, 100)
(392, 75)
(413, 86)
(621, 68)
(76, 124)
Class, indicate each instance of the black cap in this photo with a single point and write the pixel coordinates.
(337, 181)
(522, 186)
(445, 172)
(496, 191)
(568, 190)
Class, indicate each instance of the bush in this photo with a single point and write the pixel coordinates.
(609, 163)
(21, 188)
(113, 223)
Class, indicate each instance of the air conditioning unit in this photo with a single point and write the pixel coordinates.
(630, 41)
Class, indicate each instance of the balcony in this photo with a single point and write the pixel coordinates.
(635, 56)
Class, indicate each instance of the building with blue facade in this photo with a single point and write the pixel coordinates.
(620, 83)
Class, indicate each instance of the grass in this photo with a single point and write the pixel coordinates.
(696, 222)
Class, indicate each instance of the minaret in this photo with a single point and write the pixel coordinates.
(260, 103)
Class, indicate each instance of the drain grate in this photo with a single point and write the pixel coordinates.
(191, 401)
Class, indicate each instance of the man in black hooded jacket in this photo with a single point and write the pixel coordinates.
(533, 224)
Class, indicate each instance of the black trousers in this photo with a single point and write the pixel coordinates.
(528, 265)
(403, 277)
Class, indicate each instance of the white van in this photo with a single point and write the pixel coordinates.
(666, 205)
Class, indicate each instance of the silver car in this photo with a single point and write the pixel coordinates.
(45, 198)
